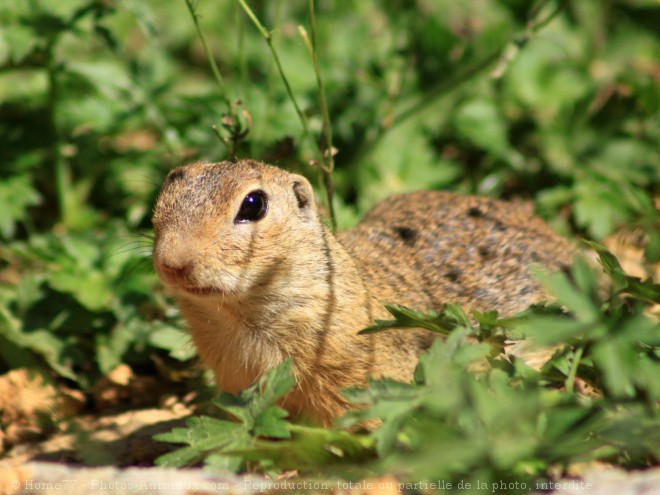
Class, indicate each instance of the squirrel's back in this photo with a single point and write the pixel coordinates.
(428, 248)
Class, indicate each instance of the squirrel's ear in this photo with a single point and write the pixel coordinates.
(303, 191)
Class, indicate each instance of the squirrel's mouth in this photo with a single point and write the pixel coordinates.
(201, 291)
(180, 281)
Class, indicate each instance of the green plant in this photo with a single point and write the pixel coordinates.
(85, 297)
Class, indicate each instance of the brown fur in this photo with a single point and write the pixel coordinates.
(259, 292)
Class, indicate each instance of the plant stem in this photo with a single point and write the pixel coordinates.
(513, 47)
(61, 170)
(535, 26)
(209, 55)
(328, 154)
(242, 57)
(269, 41)
(570, 380)
(327, 128)
(216, 74)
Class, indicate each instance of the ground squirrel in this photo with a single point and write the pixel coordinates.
(260, 278)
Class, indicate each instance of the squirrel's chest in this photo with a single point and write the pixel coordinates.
(237, 350)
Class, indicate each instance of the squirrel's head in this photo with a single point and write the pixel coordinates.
(226, 229)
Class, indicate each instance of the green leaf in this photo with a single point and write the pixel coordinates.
(405, 317)
(312, 449)
(185, 456)
(388, 170)
(390, 401)
(13, 347)
(91, 288)
(617, 364)
(609, 262)
(220, 441)
(548, 330)
(17, 195)
(172, 339)
(204, 435)
(621, 360)
(253, 402)
(646, 290)
(271, 423)
(19, 40)
(52, 348)
(479, 120)
(599, 206)
(109, 351)
(487, 320)
(569, 295)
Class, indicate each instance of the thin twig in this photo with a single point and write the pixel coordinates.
(269, 41)
(62, 169)
(572, 373)
(242, 57)
(328, 154)
(209, 55)
(218, 77)
(535, 26)
(536, 9)
(327, 128)
(513, 47)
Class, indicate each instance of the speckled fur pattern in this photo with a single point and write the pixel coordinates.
(460, 249)
(256, 293)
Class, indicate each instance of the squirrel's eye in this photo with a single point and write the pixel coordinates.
(253, 208)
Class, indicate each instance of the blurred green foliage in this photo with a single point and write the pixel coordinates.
(99, 98)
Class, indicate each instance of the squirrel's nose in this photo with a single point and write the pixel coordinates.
(175, 271)
(175, 258)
